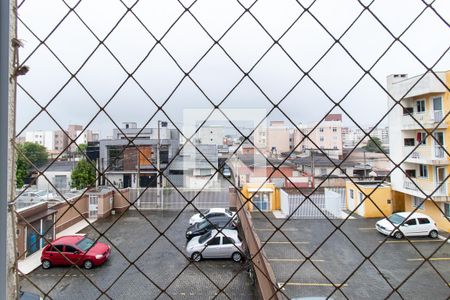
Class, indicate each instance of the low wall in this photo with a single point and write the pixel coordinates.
(266, 281)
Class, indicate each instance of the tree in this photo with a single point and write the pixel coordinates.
(83, 175)
(29, 154)
(81, 150)
(373, 144)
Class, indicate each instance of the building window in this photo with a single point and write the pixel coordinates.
(422, 138)
(320, 129)
(423, 170)
(447, 209)
(408, 110)
(411, 173)
(420, 106)
(323, 171)
(334, 129)
(408, 142)
(352, 195)
(417, 202)
(321, 139)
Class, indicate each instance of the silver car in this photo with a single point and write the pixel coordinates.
(216, 245)
(37, 196)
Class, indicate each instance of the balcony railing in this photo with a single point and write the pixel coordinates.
(426, 186)
(426, 119)
(424, 153)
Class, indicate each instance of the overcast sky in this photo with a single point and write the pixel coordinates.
(216, 74)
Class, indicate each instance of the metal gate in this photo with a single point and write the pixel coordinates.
(176, 199)
(93, 206)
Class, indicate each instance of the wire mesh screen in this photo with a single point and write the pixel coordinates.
(294, 121)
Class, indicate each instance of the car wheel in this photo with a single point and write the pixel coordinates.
(196, 257)
(46, 264)
(88, 264)
(398, 235)
(237, 257)
(434, 234)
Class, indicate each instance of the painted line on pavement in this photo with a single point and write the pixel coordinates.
(367, 228)
(284, 243)
(312, 284)
(293, 260)
(432, 259)
(273, 229)
(412, 241)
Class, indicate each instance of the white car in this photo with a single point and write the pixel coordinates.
(225, 244)
(37, 196)
(211, 213)
(416, 224)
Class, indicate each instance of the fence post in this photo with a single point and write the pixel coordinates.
(8, 276)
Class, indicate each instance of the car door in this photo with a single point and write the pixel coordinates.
(409, 228)
(425, 226)
(212, 248)
(228, 247)
(55, 254)
(72, 255)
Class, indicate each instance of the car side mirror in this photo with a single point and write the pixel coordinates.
(406, 225)
(77, 252)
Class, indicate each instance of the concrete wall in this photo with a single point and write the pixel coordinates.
(382, 197)
(430, 209)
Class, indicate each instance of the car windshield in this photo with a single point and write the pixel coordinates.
(228, 212)
(396, 219)
(203, 224)
(203, 213)
(85, 244)
(41, 193)
(204, 237)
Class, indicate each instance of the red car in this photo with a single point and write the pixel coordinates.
(75, 249)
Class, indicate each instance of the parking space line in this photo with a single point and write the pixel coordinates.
(284, 243)
(293, 260)
(412, 241)
(367, 228)
(312, 284)
(273, 229)
(432, 258)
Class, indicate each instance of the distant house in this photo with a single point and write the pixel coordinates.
(256, 169)
(192, 169)
(58, 174)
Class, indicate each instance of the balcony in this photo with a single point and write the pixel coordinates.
(420, 186)
(427, 120)
(431, 155)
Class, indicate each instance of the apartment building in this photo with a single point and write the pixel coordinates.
(418, 130)
(211, 134)
(41, 137)
(351, 137)
(327, 135)
(273, 139)
(125, 166)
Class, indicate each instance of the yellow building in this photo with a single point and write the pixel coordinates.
(266, 197)
(419, 136)
(379, 204)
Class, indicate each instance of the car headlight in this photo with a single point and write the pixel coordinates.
(99, 256)
(189, 232)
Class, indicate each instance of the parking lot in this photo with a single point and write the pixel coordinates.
(333, 264)
(158, 265)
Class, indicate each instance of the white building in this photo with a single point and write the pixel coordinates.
(419, 138)
(44, 138)
(211, 135)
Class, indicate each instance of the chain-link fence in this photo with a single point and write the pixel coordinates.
(306, 206)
